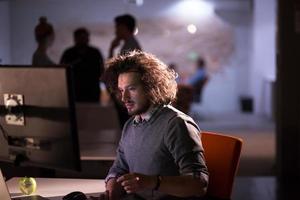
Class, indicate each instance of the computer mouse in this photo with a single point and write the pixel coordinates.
(77, 195)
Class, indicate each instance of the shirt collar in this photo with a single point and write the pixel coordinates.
(144, 117)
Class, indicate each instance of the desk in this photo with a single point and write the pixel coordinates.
(55, 188)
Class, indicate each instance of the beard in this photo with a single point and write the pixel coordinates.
(137, 109)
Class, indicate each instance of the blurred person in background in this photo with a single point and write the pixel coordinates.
(125, 26)
(198, 80)
(44, 36)
(87, 64)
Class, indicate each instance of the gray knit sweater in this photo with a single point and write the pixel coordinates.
(168, 145)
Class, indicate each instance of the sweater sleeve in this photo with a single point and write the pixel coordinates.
(184, 143)
(119, 166)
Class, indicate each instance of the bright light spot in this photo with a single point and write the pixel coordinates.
(192, 9)
(139, 2)
(191, 28)
(136, 2)
(136, 31)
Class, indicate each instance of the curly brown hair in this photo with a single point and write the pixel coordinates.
(158, 80)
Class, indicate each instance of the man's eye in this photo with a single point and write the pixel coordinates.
(131, 88)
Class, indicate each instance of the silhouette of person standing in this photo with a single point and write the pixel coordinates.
(125, 26)
(44, 35)
(87, 63)
(198, 80)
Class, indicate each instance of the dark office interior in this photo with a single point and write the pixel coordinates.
(251, 52)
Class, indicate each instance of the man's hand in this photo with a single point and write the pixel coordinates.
(134, 182)
(114, 190)
(115, 43)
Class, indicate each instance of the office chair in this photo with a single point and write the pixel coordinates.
(184, 98)
(222, 154)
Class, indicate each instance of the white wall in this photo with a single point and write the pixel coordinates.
(224, 88)
(264, 55)
(222, 94)
(5, 32)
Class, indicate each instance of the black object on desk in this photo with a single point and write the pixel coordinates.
(75, 196)
(33, 197)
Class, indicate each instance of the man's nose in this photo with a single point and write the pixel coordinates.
(125, 96)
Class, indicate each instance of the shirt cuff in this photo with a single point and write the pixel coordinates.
(109, 176)
(197, 174)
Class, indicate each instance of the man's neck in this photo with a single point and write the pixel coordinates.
(146, 115)
(128, 36)
(42, 48)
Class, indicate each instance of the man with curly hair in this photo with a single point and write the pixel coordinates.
(160, 155)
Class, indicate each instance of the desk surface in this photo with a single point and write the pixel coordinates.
(55, 188)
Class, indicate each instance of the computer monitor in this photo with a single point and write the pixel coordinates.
(37, 117)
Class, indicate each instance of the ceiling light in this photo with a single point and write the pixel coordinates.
(191, 28)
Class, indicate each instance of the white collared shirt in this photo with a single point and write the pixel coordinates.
(144, 117)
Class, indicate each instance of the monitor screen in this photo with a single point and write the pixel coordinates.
(37, 117)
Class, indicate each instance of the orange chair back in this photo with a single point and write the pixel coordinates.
(222, 154)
